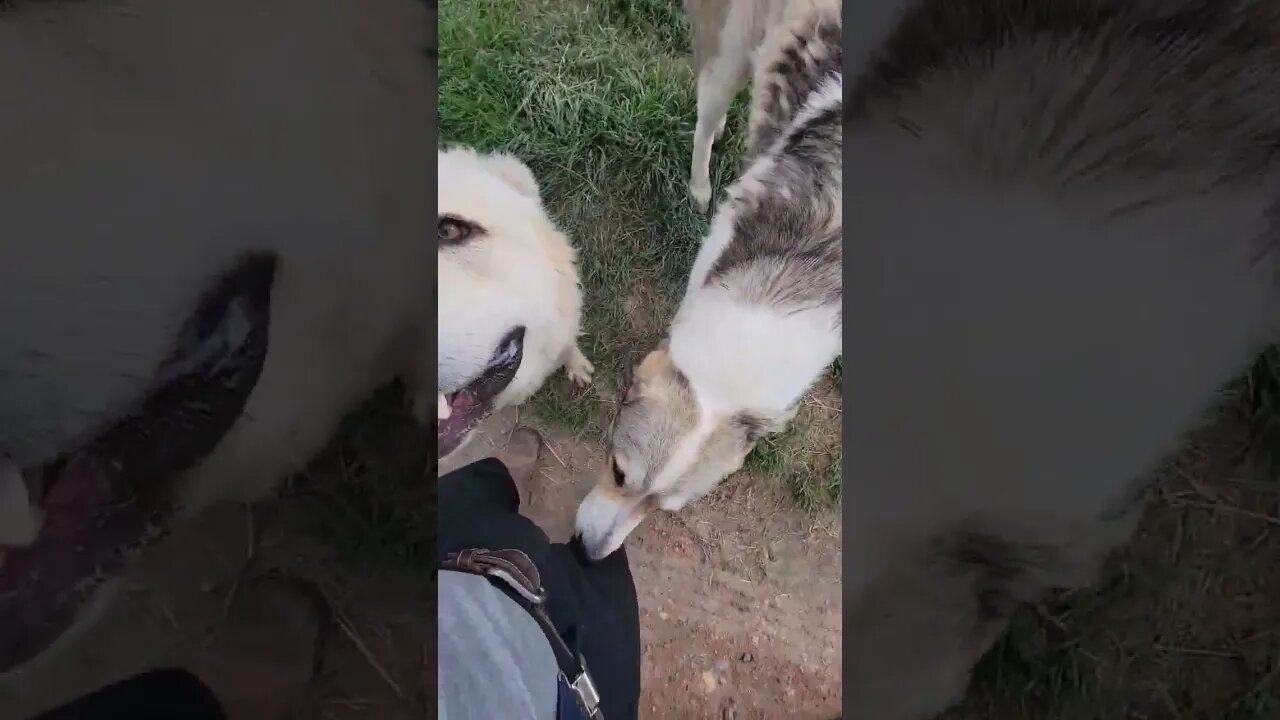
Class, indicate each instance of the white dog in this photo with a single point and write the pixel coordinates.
(208, 258)
(509, 302)
(1067, 241)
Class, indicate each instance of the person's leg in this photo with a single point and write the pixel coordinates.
(479, 508)
(609, 614)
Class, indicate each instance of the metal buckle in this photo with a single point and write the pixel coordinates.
(585, 690)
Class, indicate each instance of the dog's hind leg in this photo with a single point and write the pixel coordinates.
(577, 366)
(718, 82)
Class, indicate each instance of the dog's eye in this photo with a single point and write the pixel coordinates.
(619, 478)
(452, 231)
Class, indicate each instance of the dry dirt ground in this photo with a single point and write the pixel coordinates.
(378, 661)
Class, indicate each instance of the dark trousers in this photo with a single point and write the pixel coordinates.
(596, 602)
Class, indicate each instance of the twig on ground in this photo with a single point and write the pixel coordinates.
(347, 629)
(556, 455)
(1269, 519)
(1198, 652)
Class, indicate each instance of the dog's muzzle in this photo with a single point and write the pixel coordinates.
(102, 502)
(460, 411)
(606, 517)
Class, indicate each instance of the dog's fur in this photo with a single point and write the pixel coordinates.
(727, 36)
(518, 270)
(1066, 238)
(761, 316)
(148, 145)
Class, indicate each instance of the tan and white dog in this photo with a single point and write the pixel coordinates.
(761, 316)
(214, 246)
(510, 307)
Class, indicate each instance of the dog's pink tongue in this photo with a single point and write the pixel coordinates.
(86, 535)
(462, 400)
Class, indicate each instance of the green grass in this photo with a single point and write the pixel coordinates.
(1181, 624)
(369, 496)
(598, 99)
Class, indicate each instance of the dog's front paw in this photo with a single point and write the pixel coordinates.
(701, 194)
(579, 368)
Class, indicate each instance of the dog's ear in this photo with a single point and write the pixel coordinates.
(648, 369)
(653, 364)
(515, 173)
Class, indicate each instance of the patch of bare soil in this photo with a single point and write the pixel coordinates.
(378, 662)
(739, 593)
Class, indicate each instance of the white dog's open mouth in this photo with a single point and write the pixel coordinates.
(100, 503)
(458, 412)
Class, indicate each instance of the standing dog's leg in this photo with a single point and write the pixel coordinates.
(718, 82)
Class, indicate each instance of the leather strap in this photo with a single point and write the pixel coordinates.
(517, 572)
